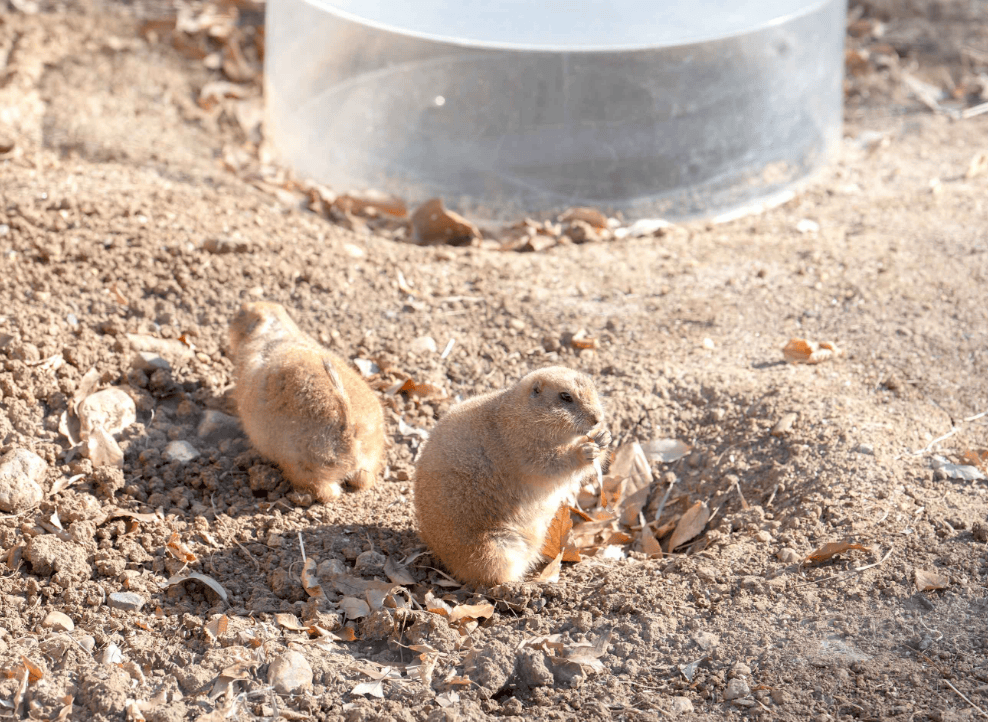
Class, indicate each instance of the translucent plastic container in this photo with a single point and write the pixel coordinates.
(505, 108)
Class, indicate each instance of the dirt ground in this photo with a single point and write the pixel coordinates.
(130, 208)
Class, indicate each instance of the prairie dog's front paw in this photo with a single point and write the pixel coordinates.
(588, 451)
(603, 439)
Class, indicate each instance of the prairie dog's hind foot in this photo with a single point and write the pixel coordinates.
(361, 479)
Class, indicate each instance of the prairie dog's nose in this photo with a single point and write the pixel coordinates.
(594, 420)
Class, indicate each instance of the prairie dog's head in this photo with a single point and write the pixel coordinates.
(260, 319)
(563, 401)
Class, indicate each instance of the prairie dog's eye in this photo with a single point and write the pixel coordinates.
(566, 396)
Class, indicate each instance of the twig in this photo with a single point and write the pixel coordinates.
(851, 573)
(929, 447)
(963, 697)
(973, 111)
(744, 504)
(665, 498)
(249, 555)
(301, 545)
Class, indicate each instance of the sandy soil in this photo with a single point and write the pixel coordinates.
(129, 209)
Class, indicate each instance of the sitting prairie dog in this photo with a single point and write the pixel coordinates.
(302, 406)
(496, 468)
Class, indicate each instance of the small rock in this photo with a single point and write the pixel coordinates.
(763, 536)
(225, 245)
(532, 668)
(979, 530)
(88, 643)
(21, 473)
(58, 622)
(569, 675)
(290, 673)
(740, 669)
(866, 449)
(707, 574)
(181, 451)
(808, 226)
(370, 563)
(216, 426)
(126, 601)
(434, 224)
(707, 641)
(517, 324)
(680, 706)
(111, 654)
(787, 555)
(111, 408)
(149, 361)
(736, 689)
(784, 424)
(423, 344)
(492, 665)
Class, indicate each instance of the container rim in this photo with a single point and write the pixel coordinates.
(438, 38)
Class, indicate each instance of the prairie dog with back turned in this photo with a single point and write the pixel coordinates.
(302, 406)
(496, 468)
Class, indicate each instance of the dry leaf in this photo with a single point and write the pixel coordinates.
(588, 215)
(204, 578)
(977, 166)
(631, 506)
(289, 621)
(217, 626)
(690, 526)
(831, 549)
(103, 449)
(975, 457)
(928, 580)
(35, 672)
(178, 549)
(556, 535)
(397, 573)
(649, 544)
(310, 580)
(665, 450)
(801, 351)
(354, 607)
(471, 611)
(374, 689)
(86, 386)
(117, 296)
(413, 388)
(371, 204)
(434, 224)
(551, 571)
(346, 634)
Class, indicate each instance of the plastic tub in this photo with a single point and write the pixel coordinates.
(508, 107)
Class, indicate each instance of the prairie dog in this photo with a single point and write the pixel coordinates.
(496, 468)
(302, 406)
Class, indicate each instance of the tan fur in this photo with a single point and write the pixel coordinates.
(302, 406)
(496, 468)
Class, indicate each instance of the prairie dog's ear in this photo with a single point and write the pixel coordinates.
(537, 386)
(334, 377)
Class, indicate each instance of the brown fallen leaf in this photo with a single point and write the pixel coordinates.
(204, 578)
(588, 215)
(103, 449)
(976, 457)
(35, 672)
(927, 580)
(289, 621)
(434, 224)
(217, 626)
(690, 525)
(801, 351)
(117, 295)
(649, 544)
(556, 535)
(371, 204)
(471, 611)
(310, 580)
(413, 388)
(831, 549)
(178, 549)
(551, 571)
(354, 607)
(398, 573)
